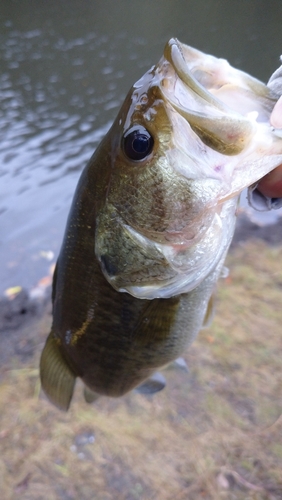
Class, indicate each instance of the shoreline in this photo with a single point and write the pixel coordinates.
(226, 408)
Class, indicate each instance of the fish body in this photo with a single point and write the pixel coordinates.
(151, 222)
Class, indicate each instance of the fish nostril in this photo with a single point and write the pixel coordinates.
(107, 265)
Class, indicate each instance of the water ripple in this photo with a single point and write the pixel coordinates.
(64, 73)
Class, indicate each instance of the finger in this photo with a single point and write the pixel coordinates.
(271, 184)
(276, 115)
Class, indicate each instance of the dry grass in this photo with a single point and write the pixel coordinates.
(212, 434)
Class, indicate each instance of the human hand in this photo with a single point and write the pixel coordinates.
(271, 184)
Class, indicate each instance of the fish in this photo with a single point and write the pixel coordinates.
(151, 222)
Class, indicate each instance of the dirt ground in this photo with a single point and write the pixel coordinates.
(215, 432)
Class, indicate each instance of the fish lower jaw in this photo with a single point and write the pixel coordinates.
(163, 289)
(150, 270)
(181, 273)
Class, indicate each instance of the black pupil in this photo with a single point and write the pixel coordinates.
(137, 143)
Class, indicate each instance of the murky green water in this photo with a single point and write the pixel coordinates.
(65, 69)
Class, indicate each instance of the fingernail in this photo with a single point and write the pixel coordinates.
(276, 115)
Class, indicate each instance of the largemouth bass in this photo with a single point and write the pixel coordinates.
(151, 222)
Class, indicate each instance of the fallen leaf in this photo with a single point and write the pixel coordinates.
(52, 269)
(222, 481)
(210, 339)
(242, 481)
(49, 255)
(23, 485)
(4, 433)
(45, 281)
(12, 291)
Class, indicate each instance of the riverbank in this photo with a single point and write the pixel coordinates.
(214, 432)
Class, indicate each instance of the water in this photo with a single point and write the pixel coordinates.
(65, 70)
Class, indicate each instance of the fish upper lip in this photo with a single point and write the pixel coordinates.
(174, 54)
(219, 126)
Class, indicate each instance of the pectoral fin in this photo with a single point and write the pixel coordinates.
(89, 395)
(156, 320)
(57, 378)
(181, 364)
(209, 312)
(154, 384)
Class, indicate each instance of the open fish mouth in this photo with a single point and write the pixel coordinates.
(229, 111)
(210, 123)
(216, 123)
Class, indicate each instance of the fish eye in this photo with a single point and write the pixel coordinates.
(137, 143)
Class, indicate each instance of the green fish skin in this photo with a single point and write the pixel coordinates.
(151, 222)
